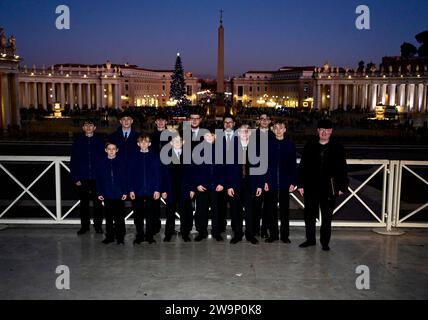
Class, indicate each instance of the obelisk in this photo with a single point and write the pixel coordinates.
(220, 109)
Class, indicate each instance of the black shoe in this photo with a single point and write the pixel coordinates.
(167, 238)
(137, 241)
(235, 240)
(307, 244)
(107, 240)
(186, 238)
(326, 248)
(150, 240)
(286, 240)
(264, 235)
(98, 230)
(218, 238)
(271, 240)
(121, 241)
(82, 231)
(253, 240)
(200, 237)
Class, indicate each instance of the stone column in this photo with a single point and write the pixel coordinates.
(99, 98)
(62, 95)
(103, 95)
(79, 95)
(373, 96)
(117, 95)
(36, 103)
(345, 97)
(402, 95)
(26, 95)
(53, 99)
(5, 101)
(319, 97)
(392, 88)
(71, 95)
(354, 96)
(44, 101)
(88, 95)
(383, 94)
(410, 97)
(332, 96)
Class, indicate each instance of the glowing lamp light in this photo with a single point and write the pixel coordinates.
(57, 110)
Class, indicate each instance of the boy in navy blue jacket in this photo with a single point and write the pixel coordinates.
(145, 187)
(281, 180)
(180, 190)
(112, 190)
(209, 181)
(86, 150)
(125, 137)
(242, 187)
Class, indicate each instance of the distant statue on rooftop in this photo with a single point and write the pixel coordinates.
(12, 42)
(2, 38)
(326, 67)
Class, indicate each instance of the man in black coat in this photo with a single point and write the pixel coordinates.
(322, 177)
(85, 154)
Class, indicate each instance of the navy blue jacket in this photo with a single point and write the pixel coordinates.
(178, 179)
(126, 147)
(84, 156)
(282, 170)
(156, 143)
(144, 173)
(210, 175)
(111, 178)
(234, 172)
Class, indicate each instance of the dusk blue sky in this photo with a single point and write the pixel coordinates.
(259, 35)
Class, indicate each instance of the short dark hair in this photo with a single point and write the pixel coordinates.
(109, 142)
(325, 123)
(88, 121)
(228, 115)
(125, 114)
(264, 114)
(144, 136)
(281, 121)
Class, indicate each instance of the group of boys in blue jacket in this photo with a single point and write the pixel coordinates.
(141, 173)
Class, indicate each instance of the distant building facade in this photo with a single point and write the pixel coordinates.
(98, 86)
(336, 88)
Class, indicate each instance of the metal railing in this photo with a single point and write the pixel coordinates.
(389, 213)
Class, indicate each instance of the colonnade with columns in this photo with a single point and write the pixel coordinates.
(410, 94)
(44, 92)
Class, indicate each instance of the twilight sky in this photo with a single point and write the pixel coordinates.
(259, 34)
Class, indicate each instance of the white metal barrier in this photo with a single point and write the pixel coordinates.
(399, 217)
(388, 217)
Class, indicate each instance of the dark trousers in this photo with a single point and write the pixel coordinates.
(273, 197)
(243, 198)
(184, 209)
(115, 219)
(223, 198)
(87, 192)
(207, 199)
(157, 224)
(260, 214)
(144, 209)
(314, 202)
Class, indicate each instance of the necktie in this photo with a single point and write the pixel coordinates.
(244, 162)
(126, 135)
